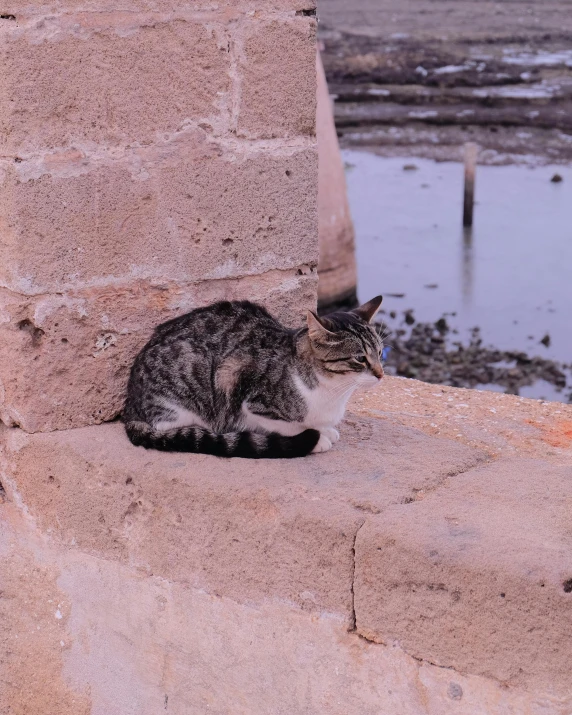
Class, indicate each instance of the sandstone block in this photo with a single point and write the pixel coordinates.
(66, 358)
(26, 9)
(106, 79)
(278, 79)
(239, 528)
(476, 576)
(187, 210)
(33, 642)
(130, 642)
(229, 527)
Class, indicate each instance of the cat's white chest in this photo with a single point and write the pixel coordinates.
(327, 402)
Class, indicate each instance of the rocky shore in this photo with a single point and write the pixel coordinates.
(432, 353)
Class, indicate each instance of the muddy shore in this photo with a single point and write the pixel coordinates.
(430, 352)
(422, 81)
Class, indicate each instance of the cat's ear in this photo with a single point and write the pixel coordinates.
(368, 310)
(316, 327)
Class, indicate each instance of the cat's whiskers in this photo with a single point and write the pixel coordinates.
(341, 390)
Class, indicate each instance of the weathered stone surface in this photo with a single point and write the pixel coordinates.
(179, 211)
(276, 99)
(266, 658)
(139, 644)
(210, 585)
(125, 195)
(501, 425)
(337, 265)
(107, 78)
(476, 576)
(251, 529)
(66, 357)
(33, 640)
(24, 9)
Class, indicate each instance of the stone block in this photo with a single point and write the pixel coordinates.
(245, 529)
(476, 576)
(27, 9)
(107, 79)
(33, 639)
(278, 79)
(66, 358)
(232, 527)
(187, 210)
(132, 580)
(128, 642)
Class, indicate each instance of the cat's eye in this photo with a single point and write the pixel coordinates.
(362, 359)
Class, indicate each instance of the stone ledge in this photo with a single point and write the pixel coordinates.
(415, 536)
(131, 643)
(241, 528)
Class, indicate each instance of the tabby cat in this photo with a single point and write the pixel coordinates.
(230, 380)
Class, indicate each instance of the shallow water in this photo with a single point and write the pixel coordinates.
(515, 56)
(511, 275)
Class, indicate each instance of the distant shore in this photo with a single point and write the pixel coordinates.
(423, 83)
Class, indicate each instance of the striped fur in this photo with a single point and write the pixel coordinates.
(251, 445)
(231, 381)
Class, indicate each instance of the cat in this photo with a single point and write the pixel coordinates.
(230, 380)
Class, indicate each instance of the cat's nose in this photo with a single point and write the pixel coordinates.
(377, 371)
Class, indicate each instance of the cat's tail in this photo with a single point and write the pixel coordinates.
(252, 445)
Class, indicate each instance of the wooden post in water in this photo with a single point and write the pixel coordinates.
(470, 167)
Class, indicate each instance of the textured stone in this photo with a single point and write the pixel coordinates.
(202, 585)
(33, 641)
(82, 79)
(126, 197)
(337, 265)
(474, 576)
(501, 425)
(141, 644)
(251, 529)
(24, 9)
(276, 98)
(183, 210)
(66, 358)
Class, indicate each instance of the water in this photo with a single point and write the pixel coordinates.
(511, 275)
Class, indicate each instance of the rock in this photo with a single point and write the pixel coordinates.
(442, 325)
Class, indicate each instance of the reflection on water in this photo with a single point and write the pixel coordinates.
(468, 264)
(510, 274)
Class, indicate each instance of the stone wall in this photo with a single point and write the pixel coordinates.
(154, 156)
(420, 567)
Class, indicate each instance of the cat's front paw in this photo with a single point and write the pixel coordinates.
(331, 433)
(323, 444)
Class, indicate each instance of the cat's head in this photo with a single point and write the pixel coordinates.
(348, 344)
